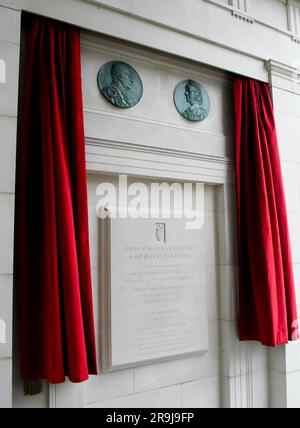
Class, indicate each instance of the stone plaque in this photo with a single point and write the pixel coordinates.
(153, 304)
(120, 84)
(192, 100)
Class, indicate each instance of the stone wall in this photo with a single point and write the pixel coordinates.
(214, 33)
(9, 64)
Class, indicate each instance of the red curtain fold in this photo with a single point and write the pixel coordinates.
(267, 303)
(52, 259)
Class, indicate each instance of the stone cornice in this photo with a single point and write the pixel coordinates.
(278, 69)
(244, 16)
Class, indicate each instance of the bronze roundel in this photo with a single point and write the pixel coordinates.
(120, 84)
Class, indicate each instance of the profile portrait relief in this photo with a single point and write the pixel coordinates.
(120, 84)
(192, 100)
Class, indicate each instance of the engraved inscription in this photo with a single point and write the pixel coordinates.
(157, 292)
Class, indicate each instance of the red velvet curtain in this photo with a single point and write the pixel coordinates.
(52, 260)
(267, 304)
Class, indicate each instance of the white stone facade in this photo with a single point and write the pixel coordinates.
(167, 41)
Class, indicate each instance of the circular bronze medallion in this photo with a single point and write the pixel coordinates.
(192, 100)
(120, 84)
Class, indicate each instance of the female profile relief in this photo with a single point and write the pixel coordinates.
(192, 100)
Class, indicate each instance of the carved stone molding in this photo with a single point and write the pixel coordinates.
(240, 10)
(293, 14)
(240, 5)
(242, 16)
(278, 69)
(134, 159)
